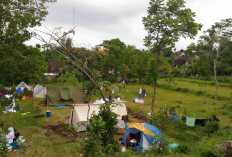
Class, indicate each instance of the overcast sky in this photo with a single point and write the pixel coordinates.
(100, 20)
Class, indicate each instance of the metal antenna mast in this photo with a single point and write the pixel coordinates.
(73, 16)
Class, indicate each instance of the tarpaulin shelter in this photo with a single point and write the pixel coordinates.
(40, 91)
(79, 114)
(57, 96)
(145, 134)
(23, 85)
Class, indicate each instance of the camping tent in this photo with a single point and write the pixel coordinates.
(79, 114)
(144, 134)
(57, 96)
(23, 85)
(40, 91)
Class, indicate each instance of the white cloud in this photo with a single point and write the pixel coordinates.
(100, 20)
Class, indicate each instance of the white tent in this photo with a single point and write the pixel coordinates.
(40, 91)
(79, 115)
(23, 85)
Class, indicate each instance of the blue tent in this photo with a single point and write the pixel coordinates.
(144, 133)
(18, 90)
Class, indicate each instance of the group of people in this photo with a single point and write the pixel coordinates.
(13, 139)
(142, 92)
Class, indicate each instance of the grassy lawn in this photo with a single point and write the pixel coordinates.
(47, 142)
(197, 87)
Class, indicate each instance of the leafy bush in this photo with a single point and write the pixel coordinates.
(102, 131)
(3, 143)
(183, 148)
(209, 153)
(159, 147)
(211, 127)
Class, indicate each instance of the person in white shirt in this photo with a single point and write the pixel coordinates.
(10, 136)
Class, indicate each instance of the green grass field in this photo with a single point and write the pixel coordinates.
(44, 143)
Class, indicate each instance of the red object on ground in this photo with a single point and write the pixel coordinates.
(128, 138)
(30, 96)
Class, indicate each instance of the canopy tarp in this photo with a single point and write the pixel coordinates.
(57, 96)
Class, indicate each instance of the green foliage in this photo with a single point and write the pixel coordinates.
(152, 74)
(111, 65)
(139, 68)
(212, 127)
(159, 147)
(115, 42)
(204, 66)
(18, 61)
(183, 148)
(207, 152)
(70, 128)
(3, 143)
(102, 131)
(67, 79)
(171, 20)
(162, 118)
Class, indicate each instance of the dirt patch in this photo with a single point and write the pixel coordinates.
(38, 116)
(121, 132)
(136, 120)
(42, 104)
(60, 129)
(128, 110)
(49, 133)
(140, 115)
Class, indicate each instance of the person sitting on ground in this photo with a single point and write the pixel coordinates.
(10, 136)
(16, 135)
(144, 92)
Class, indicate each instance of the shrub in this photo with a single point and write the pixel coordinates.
(224, 113)
(212, 127)
(159, 147)
(183, 148)
(209, 153)
(3, 143)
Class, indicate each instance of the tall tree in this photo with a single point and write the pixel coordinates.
(140, 62)
(111, 64)
(220, 33)
(165, 24)
(116, 42)
(15, 19)
(204, 68)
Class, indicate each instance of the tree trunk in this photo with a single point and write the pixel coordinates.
(215, 79)
(143, 83)
(154, 95)
(205, 90)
